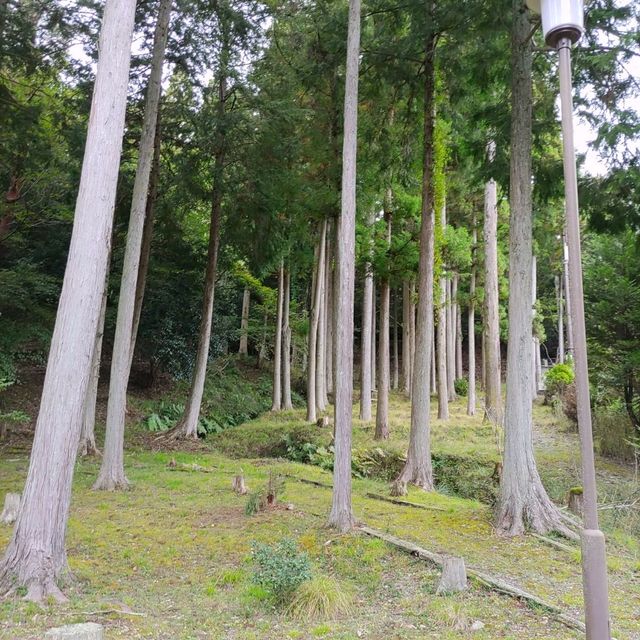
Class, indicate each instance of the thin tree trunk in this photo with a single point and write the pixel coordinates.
(434, 367)
(313, 327)
(418, 469)
(441, 343)
(36, 556)
(188, 425)
(147, 237)
(567, 301)
(286, 345)
(458, 316)
(321, 376)
(471, 327)
(374, 317)
(451, 342)
(365, 346)
(395, 383)
(535, 345)
(560, 307)
(276, 397)
(341, 516)
(492, 380)
(406, 337)
(523, 500)
(330, 329)
(412, 333)
(112, 476)
(384, 360)
(244, 323)
(87, 445)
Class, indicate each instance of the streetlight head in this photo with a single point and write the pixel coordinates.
(560, 19)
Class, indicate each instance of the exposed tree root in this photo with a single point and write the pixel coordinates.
(179, 432)
(416, 474)
(111, 482)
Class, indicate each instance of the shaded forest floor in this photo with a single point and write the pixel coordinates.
(171, 558)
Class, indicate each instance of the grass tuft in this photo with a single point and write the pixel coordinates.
(321, 598)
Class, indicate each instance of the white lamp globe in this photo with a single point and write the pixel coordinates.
(560, 19)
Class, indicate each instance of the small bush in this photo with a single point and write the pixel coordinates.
(461, 385)
(322, 597)
(557, 379)
(280, 568)
(613, 433)
(266, 497)
(570, 403)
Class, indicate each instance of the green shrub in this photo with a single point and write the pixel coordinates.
(613, 433)
(557, 379)
(461, 385)
(280, 568)
(322, 598)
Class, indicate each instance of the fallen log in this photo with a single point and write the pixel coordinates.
(404, 503)
(484, 579)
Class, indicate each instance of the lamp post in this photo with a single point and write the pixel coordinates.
(562, 24)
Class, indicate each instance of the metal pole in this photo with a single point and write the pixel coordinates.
(594, 563)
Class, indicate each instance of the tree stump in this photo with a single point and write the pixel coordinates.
(454, 576)
(323, 422)
(11, 506)
(239, 486)
(575, 501)
(87, 631)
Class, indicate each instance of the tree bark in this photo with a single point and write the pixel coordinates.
(412, 334)
(341, 516)
(560, 308)
(36, 556)
(434, 367)
(365, 346)
(451, 341)
(523, 500)
(471, 328)
(322, 334)
(330, 329)
(243, 350)
(418, 469)
(112, 475)
(276, 396)
(441, 344)
(492, 379)
(406, 337)
(286, 345)
(313, 327)
(384, 360)
(188, 425)
(374, 332)
(87, 445)
(395, 379)
(458, 316)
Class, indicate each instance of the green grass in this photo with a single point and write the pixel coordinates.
(177, 547)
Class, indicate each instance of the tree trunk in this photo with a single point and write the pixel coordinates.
(406, 337)
(87, 445)
(36, 557)
(418, 469)
(523, 500)
(365, 346)
(276, 396)
(286, 345)
(567, 299)
(395, 380)
(560, 307)
(330, 329)
(412, 334)
(535, 344)
(112, 476)
(243, 350)
(147, 237)
(341, 516)
(188, 425)
(374, 314)
(384, 360)
(492, 380)
(313, 327)
(451, 342)
(458, 316)
(434, 367)
(441, 343)
(471, 328)
(321, 376)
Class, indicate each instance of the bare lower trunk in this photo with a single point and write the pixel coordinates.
(406, 337)
(276, 396)
(412, 334)
(243, 350)
(341, 516)
(567, 299)
(395, 378)
(330, 330)
(523, 501)
(188, 425)
(492, 381)
(36, 556)
(365, 346)
(374, 313)
(458, 314)
(313, 326)
(441, 343)
(451, 342)
(417, 469)
(286, 345)
(321, 375)
(434, 368)
(471, 329)
(87, 445)
(112, 476)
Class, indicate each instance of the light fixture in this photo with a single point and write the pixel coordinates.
(560, 19)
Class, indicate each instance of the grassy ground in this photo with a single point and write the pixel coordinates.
(172, 557)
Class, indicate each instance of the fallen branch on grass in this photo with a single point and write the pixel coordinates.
(105, 612)
(315, 483)
(486, 580)
(555, 543)
(404, 503)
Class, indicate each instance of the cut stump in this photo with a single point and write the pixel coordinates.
(11, 506)
(575, 501)
(323, 422)
(454, 575)
(86, 631)
(239, 486)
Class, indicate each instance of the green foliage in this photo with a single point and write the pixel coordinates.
(266, 497)
(280, 568)
(613, 433)
(165, 417)
(461, 385)
(558, 378)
